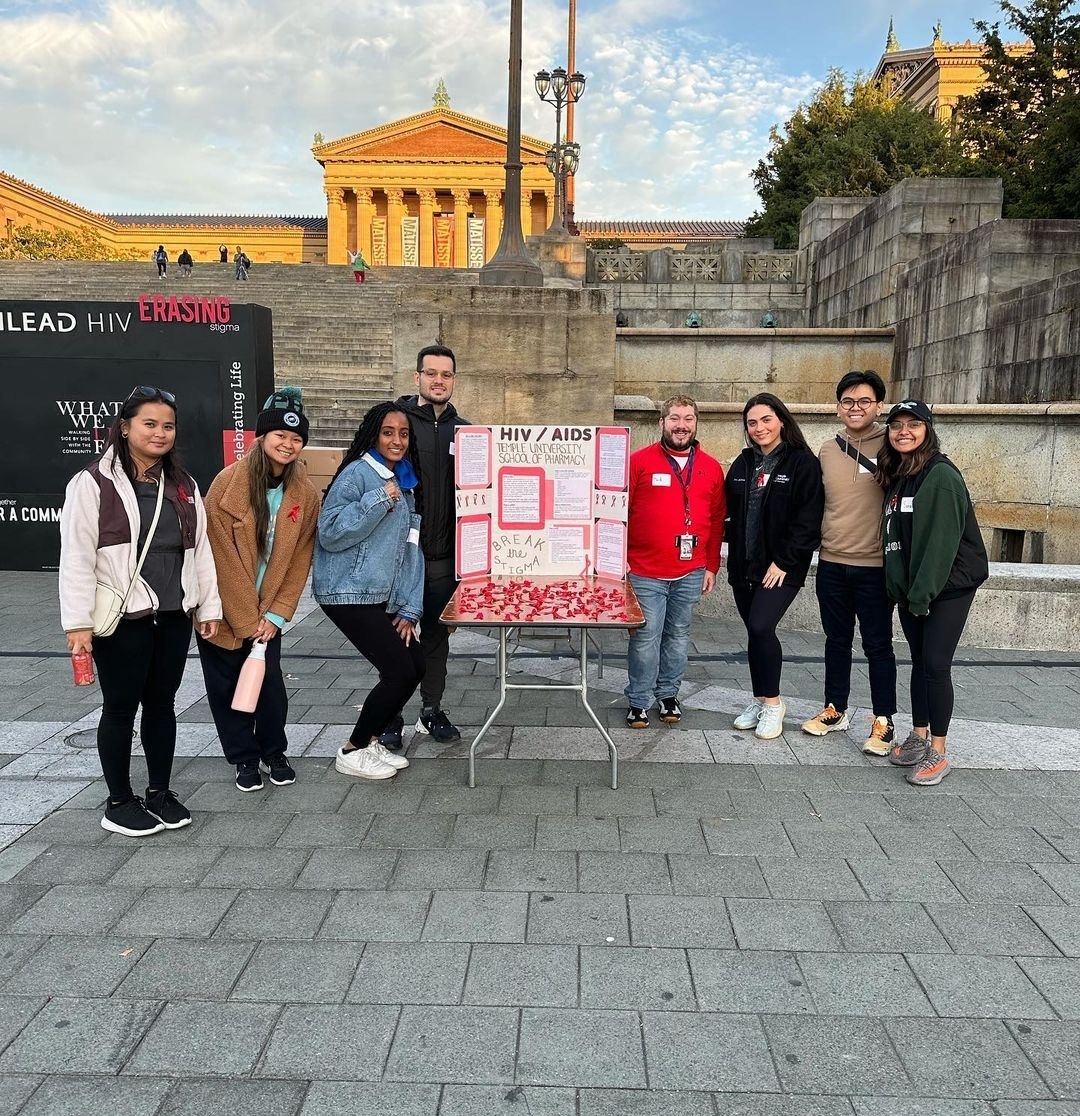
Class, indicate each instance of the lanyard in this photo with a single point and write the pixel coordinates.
(683, 476)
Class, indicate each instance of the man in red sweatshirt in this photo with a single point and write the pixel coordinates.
(674, 531)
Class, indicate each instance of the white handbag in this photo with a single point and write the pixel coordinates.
(109, 605)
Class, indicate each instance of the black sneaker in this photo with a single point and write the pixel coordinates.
(281, 772)
(438, 724)
(637, 718)
(248, 777)
(390, 737)
(167, 808)
(670, 711)
(131, 818)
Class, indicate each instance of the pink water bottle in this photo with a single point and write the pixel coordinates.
(249, 684)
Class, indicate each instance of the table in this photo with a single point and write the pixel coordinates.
(548, 601)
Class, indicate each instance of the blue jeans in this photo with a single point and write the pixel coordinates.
(656, 658)
(845, 593)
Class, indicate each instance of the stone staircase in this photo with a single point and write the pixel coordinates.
(332, 338)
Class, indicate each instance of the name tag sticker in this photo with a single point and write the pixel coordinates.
(661, 480)
(451, 449)
(414, 535)
(907, 504)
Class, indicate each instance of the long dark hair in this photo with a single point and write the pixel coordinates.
(367, 436)
(259, 477)
(892, 464)
(789, 431)
(171, 469)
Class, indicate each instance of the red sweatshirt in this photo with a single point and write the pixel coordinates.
(657, 513)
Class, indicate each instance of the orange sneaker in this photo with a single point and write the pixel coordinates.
(930, 770)
(880, 740)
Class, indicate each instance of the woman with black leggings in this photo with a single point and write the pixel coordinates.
(934, 562)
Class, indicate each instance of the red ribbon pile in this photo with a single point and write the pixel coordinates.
(528, 602)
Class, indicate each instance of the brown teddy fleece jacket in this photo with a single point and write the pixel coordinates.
(851, 526)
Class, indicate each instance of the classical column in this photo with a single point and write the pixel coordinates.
(492, 222)
(526, 213)
(395, 210)
(427, 230)
(364, 212)
(549, 209)
(461, 228)
(336, 226)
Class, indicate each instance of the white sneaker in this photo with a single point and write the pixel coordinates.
(398, 763)
(749, 717)
(363, 763)
(771, 722)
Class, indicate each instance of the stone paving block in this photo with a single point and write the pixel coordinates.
(988, 929)
(936, 1106)
(266, 867)
(186, 969)
(693, 801)
(531, 871)
(749, 981)
(298, 972)
(81, 1096)
(1057, 980)
(586, 773)
(1007, 810)
(1051, 1047)
(1003, 842)
(393, 916)
(780, 805)
(182, 867)
(460, 800)
(342, 1042)
(463, 1045)
(78, 864)
(935, 809)
(762, 1104)
(624, 802)
(234, 1098)
(577, 833)
(13, 862)
(91, 966)
(782, 924)
(863, 984)
(1063, 878)
(806, 1050)
(15, 949)
(1060, 924)
(885, 927)
(476, 916)
(306, 831)
(833, 806)
(717, 875)
(410, 973)
(624, 873)
(705, 1051)
(746, 837)
(204, 1040)
(223, 798)
(922, 881)
(685, 921)
(488, 1100)
(388, 797)
(902, 840)
(179, 912)
(999, 883)
(832, 839)
(75, 909)
(352, 1098)
(976, 987)
(968, 1058)
(434, 869)
(807, 877)
(274, 913)
(305, 798)
(27, 801)
(440, 772)
(668, 834)
(338, 869)
(573, 919)
(1035, 1108)
(242, 830)
(580, 1048)
(485, 832)
(71, 1034)
(406, 831)
(636, 979)
(626, 1102)
(511, 974)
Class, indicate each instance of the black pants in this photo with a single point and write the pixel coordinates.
(846, 593)
(142, 662)
(439, 587)
(761, 610)
(245, 737)
(370, 629)
(933, 640)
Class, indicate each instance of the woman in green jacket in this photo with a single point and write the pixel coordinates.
(934, 562)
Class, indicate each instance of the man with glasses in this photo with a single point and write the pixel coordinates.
(850, 572)
(433, 420)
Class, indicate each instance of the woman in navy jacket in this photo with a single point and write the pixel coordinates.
(775, 501)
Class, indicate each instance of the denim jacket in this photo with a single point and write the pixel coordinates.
(367, 548)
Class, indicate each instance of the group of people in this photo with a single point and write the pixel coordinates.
(893, 524)
(234, 565)
(185, 261)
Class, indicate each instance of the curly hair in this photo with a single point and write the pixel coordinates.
(790, 432)
(170, 465)
(367, 436)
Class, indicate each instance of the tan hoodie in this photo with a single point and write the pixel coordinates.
(851, 527)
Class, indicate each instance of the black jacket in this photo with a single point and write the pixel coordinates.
(791, 514)
(434, 437)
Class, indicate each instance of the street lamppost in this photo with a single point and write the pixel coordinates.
(560, 89)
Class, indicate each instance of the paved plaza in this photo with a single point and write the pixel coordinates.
(763, 929)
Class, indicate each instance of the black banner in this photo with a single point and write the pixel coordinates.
(66, 369)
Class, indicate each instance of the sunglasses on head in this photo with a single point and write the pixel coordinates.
(145, 391)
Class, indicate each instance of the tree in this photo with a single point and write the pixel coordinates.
(1023, 123)
(27, 243)
(849, 141)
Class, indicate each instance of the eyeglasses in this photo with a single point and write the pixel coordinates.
(906, 424)
(145, 391)
(856, 404)
(437, 375)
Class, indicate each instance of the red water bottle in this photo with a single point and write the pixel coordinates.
(249, 684)
(82, 667)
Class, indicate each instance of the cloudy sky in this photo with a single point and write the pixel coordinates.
(210, 106)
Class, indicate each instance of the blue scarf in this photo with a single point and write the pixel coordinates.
(403, 471)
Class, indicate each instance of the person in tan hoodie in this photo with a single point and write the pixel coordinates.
(261, 517)
(850, 576)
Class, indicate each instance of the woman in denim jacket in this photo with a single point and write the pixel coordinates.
(369, 577)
